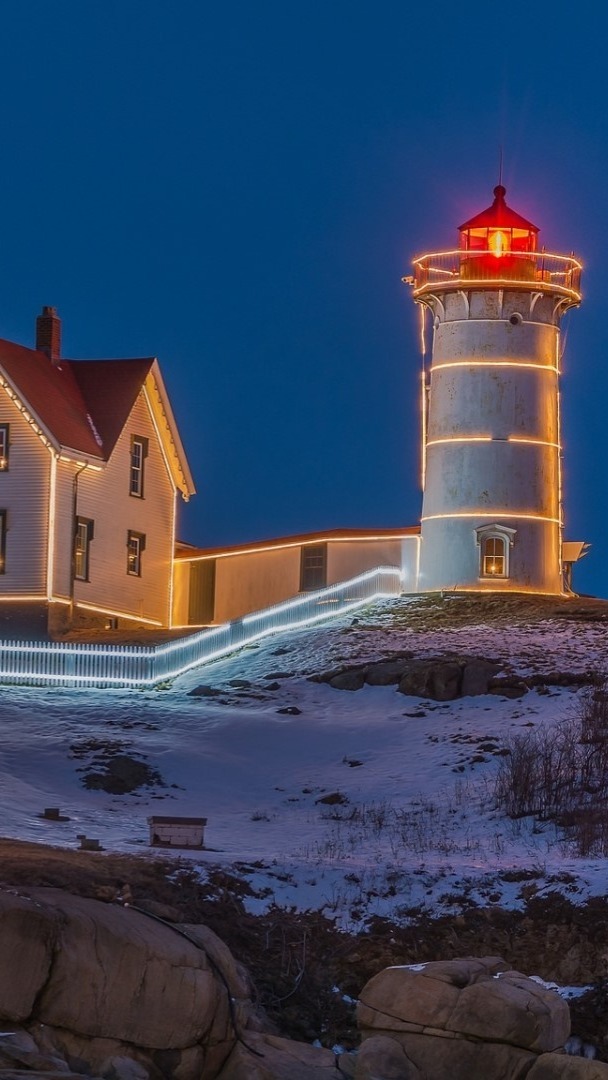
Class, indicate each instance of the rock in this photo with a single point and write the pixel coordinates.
(416, 680)
(35, 1074)
(513, 1009)
(563, 1067)
(436, 679)
(445, 681)
(441, 1057)
(476, 677)
(123, 1068)
(160, 911)
(142, 961)
(204, 691)
(101, 970)
(381, 1056)
(508, 686)
(27, 940)
(464, 1018)
(348, 680)
(387, 672)
(239, 684)
(19, 1050)
(346, 1066)
(220, 956)
(290, 710)
(91, 1055)
(334, 798)
(269, 1057)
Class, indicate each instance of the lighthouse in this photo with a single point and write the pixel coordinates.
(491, 453)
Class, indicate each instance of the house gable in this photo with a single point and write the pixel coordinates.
(80, 407)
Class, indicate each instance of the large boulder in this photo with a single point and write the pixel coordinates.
(463, 1018)
(560, 1067)
(139, 981)
(108, 990)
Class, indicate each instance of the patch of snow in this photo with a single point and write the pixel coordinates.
(417, 830)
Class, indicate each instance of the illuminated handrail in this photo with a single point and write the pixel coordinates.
(43, 663)
(462, 269)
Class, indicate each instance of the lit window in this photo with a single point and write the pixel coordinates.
(3, 541)
(313, 567)
(83, 534)
(139, 453)
(495, 542)
(4, 429)
(136, 543)
(493, 557)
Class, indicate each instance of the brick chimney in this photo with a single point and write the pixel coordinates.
(48, 334)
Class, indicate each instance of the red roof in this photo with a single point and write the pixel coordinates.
(498, 216)
(82, 404)
(110, 389)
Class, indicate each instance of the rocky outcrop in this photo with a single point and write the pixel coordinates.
(445, 678)
(437, 678)
(458, 1019)
(105, 991)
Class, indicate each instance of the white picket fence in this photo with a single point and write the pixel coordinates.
(37, 663)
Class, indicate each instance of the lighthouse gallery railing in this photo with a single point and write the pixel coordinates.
(41, 663)
(462, 269)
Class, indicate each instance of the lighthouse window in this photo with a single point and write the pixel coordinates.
(493, 557)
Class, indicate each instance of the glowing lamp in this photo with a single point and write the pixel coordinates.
(498, 242)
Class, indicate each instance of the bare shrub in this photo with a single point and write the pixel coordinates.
(560, 774)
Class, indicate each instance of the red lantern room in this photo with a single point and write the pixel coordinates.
(498, 240)
(497, 246)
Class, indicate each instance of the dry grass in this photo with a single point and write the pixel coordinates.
(451, 610)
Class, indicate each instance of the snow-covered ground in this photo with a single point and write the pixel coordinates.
(419, 827)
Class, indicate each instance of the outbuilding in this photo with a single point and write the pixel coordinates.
(177, 832)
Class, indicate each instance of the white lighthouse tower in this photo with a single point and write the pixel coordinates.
(492, 513)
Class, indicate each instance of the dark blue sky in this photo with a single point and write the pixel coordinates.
(238, 188)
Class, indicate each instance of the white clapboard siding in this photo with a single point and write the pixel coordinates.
(64, 528)
(104, 497)
(24, 495)
(251, 582)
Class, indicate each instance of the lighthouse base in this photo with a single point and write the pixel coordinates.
(490, 554)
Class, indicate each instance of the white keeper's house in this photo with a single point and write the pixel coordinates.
(92, 466)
